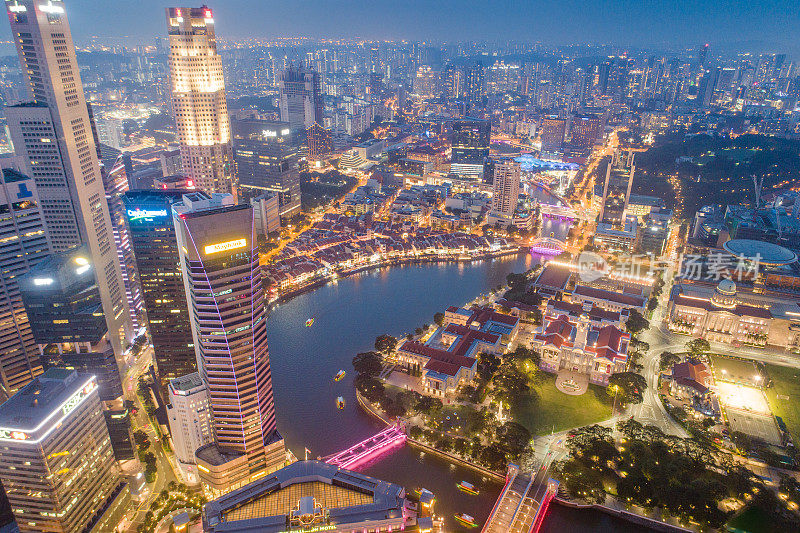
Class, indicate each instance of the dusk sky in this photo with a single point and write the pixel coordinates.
(772, 23)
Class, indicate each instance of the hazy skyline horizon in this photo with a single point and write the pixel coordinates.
(766, 26)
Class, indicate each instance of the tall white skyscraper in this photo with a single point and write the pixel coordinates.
(53, 136)
(198, 99)
(225, 293)
(505, 187)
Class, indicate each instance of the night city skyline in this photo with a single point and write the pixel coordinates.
(431, 267)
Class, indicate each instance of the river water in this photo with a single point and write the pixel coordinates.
(348, 316)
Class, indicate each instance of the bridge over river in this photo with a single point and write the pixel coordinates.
(523, 503)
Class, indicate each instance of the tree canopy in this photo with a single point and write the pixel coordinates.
(385, 343)
(630, 386)
(636, 322)
(368, 363)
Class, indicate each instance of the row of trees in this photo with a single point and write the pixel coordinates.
(176, 496)
(654, 470)
(511, 442)
(147, 457)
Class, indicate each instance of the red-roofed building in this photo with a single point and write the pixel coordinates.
(689, 379)
(582, 344)
(448, 359)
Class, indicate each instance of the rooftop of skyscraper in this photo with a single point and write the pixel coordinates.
(42, 400)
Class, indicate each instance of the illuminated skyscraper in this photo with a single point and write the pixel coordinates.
(198, 99)
(115, 182)
(222, 279)
(553, 129)
(56, 461)
(475, 84)
(53, 137)
(425, 82)
(65, 313)
(152, 233)
(24, 238)
(320, 141)
(505, 187)
(585, 130)
(267, 160)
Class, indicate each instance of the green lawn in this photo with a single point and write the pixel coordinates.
(551, 409)
(784, 397)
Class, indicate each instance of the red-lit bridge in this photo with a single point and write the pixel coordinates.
(523, 504)
(369, 448)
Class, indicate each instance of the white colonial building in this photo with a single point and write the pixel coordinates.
(727, 315)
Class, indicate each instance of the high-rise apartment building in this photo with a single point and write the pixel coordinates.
(54, 139)
(585, 129)
(505, 187)
(24, 245)
(189, 415)
(267, 160)
(152, 233)
(198, 99)
(426, 82)
(475, 84)
(470, 147)
(56, 461)
(552, 136)
(222, 279)
(301, 102)
(617, 188)
(320, 141)
(453, 81)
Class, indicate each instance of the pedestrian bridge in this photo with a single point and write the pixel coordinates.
(369, 448)
(548, 246)
(523, 503)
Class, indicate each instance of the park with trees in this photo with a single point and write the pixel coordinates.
(668, 475)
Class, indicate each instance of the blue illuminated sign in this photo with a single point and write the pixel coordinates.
(141, 214)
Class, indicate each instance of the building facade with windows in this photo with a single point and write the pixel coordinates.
(23, 245)
(53, 136)
(198, 99)
(222, 281)
(152, 232)
(189, 415)
(56, 461)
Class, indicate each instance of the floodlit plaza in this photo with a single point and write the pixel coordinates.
(741, 397)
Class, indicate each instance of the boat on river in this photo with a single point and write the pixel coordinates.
(469, 488)
(309, 322)
(340, 402)
(339, 375)
(466, 520)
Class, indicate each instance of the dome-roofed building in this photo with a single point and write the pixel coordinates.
(726, 314)
(725, 295)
